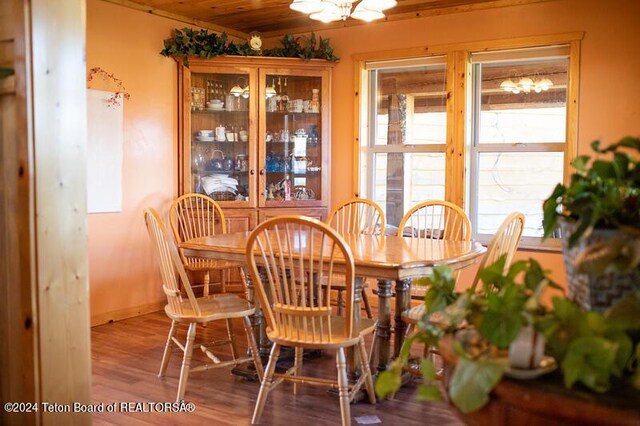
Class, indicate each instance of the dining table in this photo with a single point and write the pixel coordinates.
(392, 260)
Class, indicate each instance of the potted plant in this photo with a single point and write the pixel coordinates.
(599, 216)
(478, 328)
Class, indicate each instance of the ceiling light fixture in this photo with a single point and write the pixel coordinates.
(335, 10)
(526, 85)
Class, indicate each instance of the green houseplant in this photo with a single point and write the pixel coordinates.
(590, 348)
(599, 216)
(187, 43)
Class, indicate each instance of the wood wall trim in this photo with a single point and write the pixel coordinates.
(573, 90)
(458, 78)
(475, 46)
(180, 18)
(58, 128)
(19, 359)
(121, 314)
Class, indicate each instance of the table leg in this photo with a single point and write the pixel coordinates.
(353, 360)
(380, 359)
(403, 302)
(248, 370)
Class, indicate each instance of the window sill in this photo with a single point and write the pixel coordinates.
(551, 245)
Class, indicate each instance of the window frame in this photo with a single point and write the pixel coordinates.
(369, 147)
(458, 84)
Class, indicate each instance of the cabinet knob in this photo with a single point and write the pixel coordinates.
(252, 172)
(261, 172)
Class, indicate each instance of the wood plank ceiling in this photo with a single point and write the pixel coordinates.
(274, 18)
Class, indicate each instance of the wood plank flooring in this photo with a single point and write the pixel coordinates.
(125, 360)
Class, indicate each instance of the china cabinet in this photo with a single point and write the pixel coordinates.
(255, 135)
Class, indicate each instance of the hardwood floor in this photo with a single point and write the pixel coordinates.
(126, 356)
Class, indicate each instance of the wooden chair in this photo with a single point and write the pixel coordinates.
(194, 311)
(436, 219)
(297, 306)
(505, 241)
(356, 216)
(193, 216)
(432, 220)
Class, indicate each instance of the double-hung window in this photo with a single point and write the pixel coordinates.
(486, 125)
(404, 141)
(518, 135)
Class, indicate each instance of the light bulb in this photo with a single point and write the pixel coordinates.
(525, 83)
(236, 91)
(307, 6)
(507, 85)
(330, 13)
(545, 84)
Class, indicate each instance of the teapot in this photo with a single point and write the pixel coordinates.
(216, 164)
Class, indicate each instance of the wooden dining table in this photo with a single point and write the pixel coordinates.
(389, 259)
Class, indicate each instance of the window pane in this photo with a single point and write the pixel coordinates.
(403, 180)
(523, 102)
(516, 181)
(410, 105)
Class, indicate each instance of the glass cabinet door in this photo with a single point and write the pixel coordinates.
(220, 135)
(292, 139)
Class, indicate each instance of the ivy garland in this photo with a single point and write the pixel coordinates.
(188, 42)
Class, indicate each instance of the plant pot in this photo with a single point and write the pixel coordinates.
(591, 292)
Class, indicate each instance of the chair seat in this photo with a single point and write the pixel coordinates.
(415, 314)
(202, 264)
(362, 327)
(212, 307)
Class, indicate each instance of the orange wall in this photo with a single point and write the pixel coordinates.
(125, 42)
(609, 94)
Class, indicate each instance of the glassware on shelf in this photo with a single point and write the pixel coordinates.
(315, 100)
(197, 98)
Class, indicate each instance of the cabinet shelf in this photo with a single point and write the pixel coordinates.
(219, 172)
(221, 111)
(298, 79)
(303, 114)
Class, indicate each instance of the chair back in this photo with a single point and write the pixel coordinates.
(170, 263)
(436, 219)
(504, 242)
(357, 216)
(194, 216)
(297, 255)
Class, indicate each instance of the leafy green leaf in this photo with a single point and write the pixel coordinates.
(625, 314)
(429, 393)
(428, 370)
(472, 381)
(580, 162)
(589, 360)
(389, 381)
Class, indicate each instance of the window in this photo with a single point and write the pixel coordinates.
(490, 126)
(518, 135)
(403, 151)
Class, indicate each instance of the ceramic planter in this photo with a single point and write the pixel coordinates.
(595, 293)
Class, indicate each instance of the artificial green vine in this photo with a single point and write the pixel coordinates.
(187, 42)
(6, 72)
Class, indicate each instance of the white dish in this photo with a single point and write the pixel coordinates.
(547, 365)
(215, 108)
(205, 138)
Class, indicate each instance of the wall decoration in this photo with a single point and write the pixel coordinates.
(188, 42)
(121, 91)
(105, 140)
